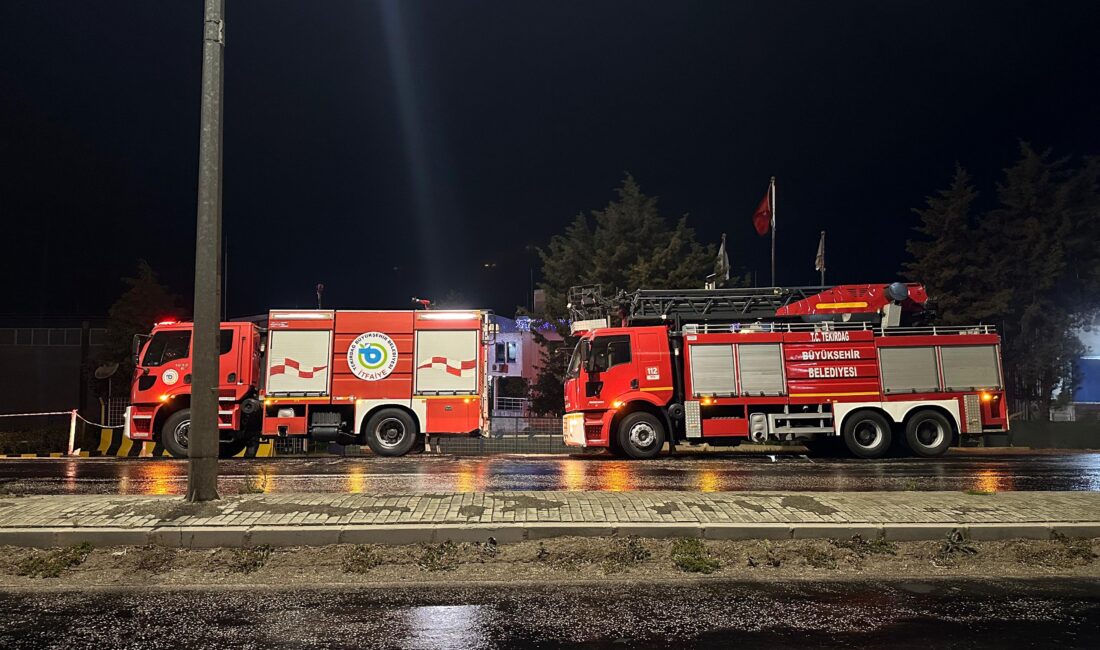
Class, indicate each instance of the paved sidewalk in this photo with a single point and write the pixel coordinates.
(317, 519)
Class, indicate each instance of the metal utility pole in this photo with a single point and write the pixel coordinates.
(202, 444)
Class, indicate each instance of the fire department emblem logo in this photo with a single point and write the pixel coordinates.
(372, 356)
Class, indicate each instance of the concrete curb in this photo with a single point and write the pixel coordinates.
(398, 534)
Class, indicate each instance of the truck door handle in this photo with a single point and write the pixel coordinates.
(634, 383)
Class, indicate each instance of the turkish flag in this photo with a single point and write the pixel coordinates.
(762, 218)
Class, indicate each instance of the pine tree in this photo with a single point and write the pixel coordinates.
(625, 246)
(144, 302)
(950, 259)
(1031, 266)
(1045, 223)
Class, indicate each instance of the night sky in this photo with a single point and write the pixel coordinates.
(391, 149)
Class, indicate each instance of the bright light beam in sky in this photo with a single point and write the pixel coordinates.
(429, 220)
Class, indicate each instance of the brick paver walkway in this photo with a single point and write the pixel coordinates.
(551, 507)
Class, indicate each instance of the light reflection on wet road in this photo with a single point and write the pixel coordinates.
(941, 614)
(964, 471)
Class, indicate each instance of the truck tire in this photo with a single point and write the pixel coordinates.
(640, 435)
(867, 434)
(176, 433)
(391, 432)
(928, 433)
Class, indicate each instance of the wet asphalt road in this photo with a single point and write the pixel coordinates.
(1004, 614)
(966, 470)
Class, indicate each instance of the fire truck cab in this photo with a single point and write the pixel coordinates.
(160, 397)
(809, 365)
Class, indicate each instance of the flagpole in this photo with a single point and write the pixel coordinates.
(822, 258)
(771, 193)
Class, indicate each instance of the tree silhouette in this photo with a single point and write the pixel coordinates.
(144, 302)
(627, 245)
(1030, 265)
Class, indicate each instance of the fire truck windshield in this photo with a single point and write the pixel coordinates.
(167, 346)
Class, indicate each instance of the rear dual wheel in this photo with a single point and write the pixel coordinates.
(867, 434)
(928, 433)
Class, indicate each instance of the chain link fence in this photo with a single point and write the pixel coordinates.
(113, 411)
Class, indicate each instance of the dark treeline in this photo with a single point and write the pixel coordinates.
(1027, 261)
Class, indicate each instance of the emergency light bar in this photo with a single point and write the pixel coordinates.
(442, 315)
(301, 315)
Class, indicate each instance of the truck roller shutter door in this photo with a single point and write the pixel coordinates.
(761, 368)
(970, 367)
(909, 370)
(446, 362)
(712, 370)
(298, 362)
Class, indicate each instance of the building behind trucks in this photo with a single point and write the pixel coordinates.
(808, 365)
(381, 378)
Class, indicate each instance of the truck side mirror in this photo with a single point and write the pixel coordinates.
(592, 388)
(135, 349)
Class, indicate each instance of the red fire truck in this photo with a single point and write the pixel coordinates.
(808, 365)
(383, 378)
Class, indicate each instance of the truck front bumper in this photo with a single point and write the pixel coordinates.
(587, 429)
(572, 428)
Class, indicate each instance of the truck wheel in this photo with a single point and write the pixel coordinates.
(641, 435)
(176, 432)
(867, 434)
(928, 433)
(391, 432)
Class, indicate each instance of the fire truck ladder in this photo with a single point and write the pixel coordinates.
(685, 305)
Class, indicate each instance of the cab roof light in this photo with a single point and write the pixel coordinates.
(446, 315)
(301, 315)
(166, 322)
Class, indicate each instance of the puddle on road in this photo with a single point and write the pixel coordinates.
(483, 474)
